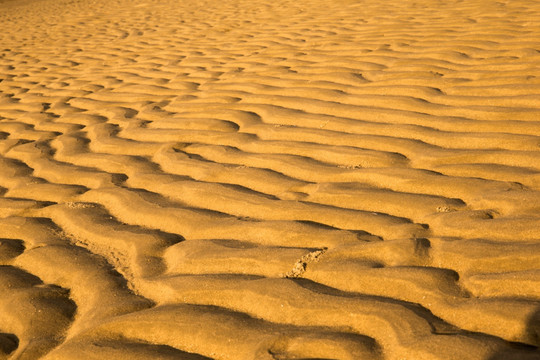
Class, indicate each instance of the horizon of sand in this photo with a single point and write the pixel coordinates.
(272, 180)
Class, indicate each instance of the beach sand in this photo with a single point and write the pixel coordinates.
(269, 180)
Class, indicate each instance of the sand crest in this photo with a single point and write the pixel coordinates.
(251, 180)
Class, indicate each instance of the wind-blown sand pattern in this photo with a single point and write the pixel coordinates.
(234, 179)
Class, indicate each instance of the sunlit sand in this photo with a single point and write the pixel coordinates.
(269, 180)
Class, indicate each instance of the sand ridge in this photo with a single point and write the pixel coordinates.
(272, 180)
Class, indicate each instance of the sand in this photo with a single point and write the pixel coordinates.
(269, 180)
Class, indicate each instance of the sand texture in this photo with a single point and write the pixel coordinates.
(270, 179)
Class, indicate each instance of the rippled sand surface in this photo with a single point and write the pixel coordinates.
(269, 180)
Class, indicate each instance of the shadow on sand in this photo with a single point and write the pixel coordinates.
(519, 351)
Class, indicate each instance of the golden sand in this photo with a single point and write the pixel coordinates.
(270, 180)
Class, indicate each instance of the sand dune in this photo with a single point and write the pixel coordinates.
(199, 179)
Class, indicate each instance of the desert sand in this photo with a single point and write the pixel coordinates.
(270, 179)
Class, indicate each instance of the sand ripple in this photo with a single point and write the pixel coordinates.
(277, 180)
